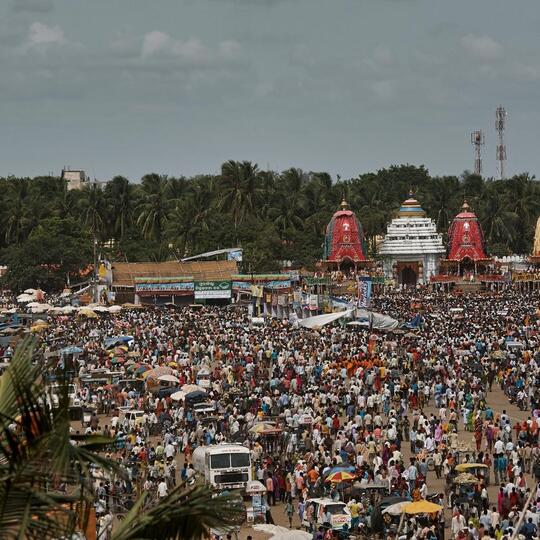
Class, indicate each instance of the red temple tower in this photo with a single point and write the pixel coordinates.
(344, 242)
(465, 237)
(466, 245)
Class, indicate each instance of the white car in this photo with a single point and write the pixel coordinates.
(56, 390)
(130, 417)
(338, 510)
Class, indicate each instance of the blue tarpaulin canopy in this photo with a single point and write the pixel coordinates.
(116, 340)
(72, 349)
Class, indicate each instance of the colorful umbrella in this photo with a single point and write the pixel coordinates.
(143, 369)
(340, 476)
(156, 372)
(342, 467)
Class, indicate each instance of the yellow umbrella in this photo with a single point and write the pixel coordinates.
(39, 327)
(464, 467)
(422, 507)
(87, 312)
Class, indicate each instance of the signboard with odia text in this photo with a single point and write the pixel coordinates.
(166, 288)
(205, 290)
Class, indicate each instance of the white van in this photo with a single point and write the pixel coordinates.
(131, 417)
(339, 513)
(204, 378)
(56, 390)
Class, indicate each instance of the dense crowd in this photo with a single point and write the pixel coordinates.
(401, 412)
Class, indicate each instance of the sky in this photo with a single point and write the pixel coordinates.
(345, 86)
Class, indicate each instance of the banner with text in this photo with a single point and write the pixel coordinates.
(206, 290)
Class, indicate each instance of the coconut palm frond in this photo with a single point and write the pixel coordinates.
(37, 515)
(187, 513)
(37, 455)
(46, 472)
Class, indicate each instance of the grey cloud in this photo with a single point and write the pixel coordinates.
(229, 77)
(32, 6)
(482, 47)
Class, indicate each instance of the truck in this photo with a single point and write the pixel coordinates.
(223, 466)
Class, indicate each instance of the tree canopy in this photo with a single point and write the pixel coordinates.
(49, 231)
(55, 252)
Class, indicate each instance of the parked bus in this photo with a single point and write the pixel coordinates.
(224, 466)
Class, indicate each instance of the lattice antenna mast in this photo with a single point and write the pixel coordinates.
(477, 140)
(500, 126)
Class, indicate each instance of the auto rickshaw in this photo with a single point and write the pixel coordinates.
(465, 493)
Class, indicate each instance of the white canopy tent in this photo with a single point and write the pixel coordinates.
(321, 320)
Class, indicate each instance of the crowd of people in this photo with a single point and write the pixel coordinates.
(401, 412)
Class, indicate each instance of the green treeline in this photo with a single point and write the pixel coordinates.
(273, 216)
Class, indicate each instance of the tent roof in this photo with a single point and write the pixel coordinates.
(124, 274)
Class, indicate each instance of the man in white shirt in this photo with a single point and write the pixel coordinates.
(162, 489)
(495, 517)
(458, 523)
(170, 451)
(499, 446)
(485, 518)
(429, 444)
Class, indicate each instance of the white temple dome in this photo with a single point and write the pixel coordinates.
(412, 239)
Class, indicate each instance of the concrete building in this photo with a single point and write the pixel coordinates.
(76, 179)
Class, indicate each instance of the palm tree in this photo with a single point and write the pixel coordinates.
(473, 187)
(289, 202)
(523, 199)
(177, 188)
(318, 204)
(17, 196)
(192, 215)
(119, 193)
(267, 187)
(239, 187)
(154, 206)
(498, 222)
(68, 202)
(93, 209)
(444, 200)
(37, 457)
